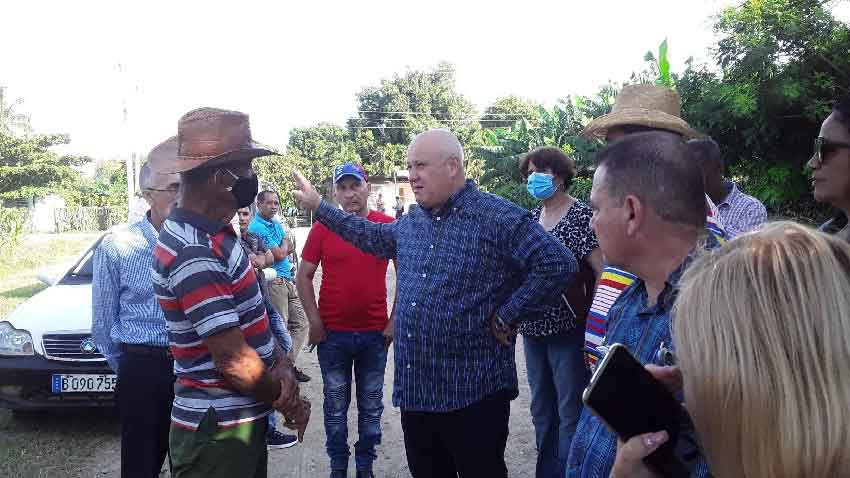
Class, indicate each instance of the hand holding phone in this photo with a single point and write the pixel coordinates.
(632, 402)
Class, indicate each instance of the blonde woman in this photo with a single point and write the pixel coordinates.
(770, 313)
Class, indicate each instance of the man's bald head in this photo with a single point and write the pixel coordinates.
(435, 162)
(150, 180)
(440, 143)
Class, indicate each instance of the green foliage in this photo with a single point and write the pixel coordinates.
(108, 188)
(29, 169)
(514, 192)
(782, 64)
(275, 173)
(12, 224)
(659, 68)
(405, 105)
(506, 111)
(580, 188)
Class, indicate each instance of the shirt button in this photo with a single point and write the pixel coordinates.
(408, 365)
(432, 246)
(438, 218)
(413, 304)
(424, 275)
(409, 336)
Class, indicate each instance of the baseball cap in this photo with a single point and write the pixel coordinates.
(350, 169)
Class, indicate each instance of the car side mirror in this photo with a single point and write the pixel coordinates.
(47, 275)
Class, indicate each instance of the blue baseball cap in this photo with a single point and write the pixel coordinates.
(350, 169)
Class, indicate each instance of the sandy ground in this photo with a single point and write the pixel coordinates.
(309, 459)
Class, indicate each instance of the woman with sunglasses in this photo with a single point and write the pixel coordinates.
(831, 168)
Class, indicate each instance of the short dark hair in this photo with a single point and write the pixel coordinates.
(262, 195)
(551, 158)
(705, 151)
(655, 167)
(841, 109)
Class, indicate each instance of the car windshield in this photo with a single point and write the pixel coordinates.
(81, 273)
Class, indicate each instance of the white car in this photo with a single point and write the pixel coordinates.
(47, 356)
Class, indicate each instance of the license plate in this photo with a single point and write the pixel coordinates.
(70, 383)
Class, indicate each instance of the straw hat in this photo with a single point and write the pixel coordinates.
(652, 106)
(209, 136)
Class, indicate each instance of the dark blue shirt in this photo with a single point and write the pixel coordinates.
(476, 256)
(643, 329)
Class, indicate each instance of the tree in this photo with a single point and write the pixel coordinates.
(507, 110)
(12, 122)
(108, 188)
(782, 63)
(405, 105)
(28, 168)
(322, 148)
(275, 173)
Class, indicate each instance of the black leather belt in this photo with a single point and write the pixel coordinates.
(163, 352)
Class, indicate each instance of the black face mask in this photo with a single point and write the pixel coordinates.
(244, 189)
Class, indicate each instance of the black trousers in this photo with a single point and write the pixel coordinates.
(145, 393)
(469, 442)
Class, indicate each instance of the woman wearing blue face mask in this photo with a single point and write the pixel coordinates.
(553, 343)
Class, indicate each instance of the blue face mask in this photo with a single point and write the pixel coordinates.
(540, 186)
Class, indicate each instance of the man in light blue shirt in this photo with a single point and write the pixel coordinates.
(129, 327)
(281, 291)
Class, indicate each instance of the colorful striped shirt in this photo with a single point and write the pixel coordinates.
(205, 285)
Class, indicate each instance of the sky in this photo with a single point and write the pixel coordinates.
(293, 64)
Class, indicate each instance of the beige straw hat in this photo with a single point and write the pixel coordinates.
(653, 106)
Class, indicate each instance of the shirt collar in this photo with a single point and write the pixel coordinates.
(148, 231)
(671, 290)
(203, 223)
(731, 192)
(268, 223)
(457, 200)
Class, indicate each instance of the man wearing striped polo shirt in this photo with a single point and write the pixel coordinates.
(128, 327)
(230, 373)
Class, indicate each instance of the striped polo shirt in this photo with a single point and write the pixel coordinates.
(204, 283)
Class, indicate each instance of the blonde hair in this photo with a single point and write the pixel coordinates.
(762, 330)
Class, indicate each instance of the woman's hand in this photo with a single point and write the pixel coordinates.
(629, 462)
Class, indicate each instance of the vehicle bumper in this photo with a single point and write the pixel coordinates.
(25, 384)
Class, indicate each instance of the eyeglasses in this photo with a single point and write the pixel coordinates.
(824, 148)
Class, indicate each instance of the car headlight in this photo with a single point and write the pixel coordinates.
(14, 341)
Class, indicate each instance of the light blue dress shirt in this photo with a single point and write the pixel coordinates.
(124, 307)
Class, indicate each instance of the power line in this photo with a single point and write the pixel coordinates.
(432, 114)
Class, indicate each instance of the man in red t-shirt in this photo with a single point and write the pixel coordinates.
(349, 325)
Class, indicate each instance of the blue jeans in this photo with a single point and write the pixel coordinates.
(557, 377)
(366, 354)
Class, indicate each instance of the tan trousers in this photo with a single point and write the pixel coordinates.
(284, 298)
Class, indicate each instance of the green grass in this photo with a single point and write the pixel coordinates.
(20, 265)
(59, 443)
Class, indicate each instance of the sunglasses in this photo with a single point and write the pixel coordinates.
(825, 147)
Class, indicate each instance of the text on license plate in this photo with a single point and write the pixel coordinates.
(69, 383)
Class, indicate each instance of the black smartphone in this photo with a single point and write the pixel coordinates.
(631, 402)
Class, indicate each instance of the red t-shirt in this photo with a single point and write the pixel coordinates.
(353, 294)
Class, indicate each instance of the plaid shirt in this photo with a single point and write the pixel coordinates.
(205, 285)
(643, 329)
(457, 266)
(739, 212)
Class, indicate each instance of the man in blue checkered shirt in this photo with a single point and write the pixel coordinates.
(128, 326)
(471, 267)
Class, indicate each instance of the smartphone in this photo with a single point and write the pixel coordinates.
(624, 395)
